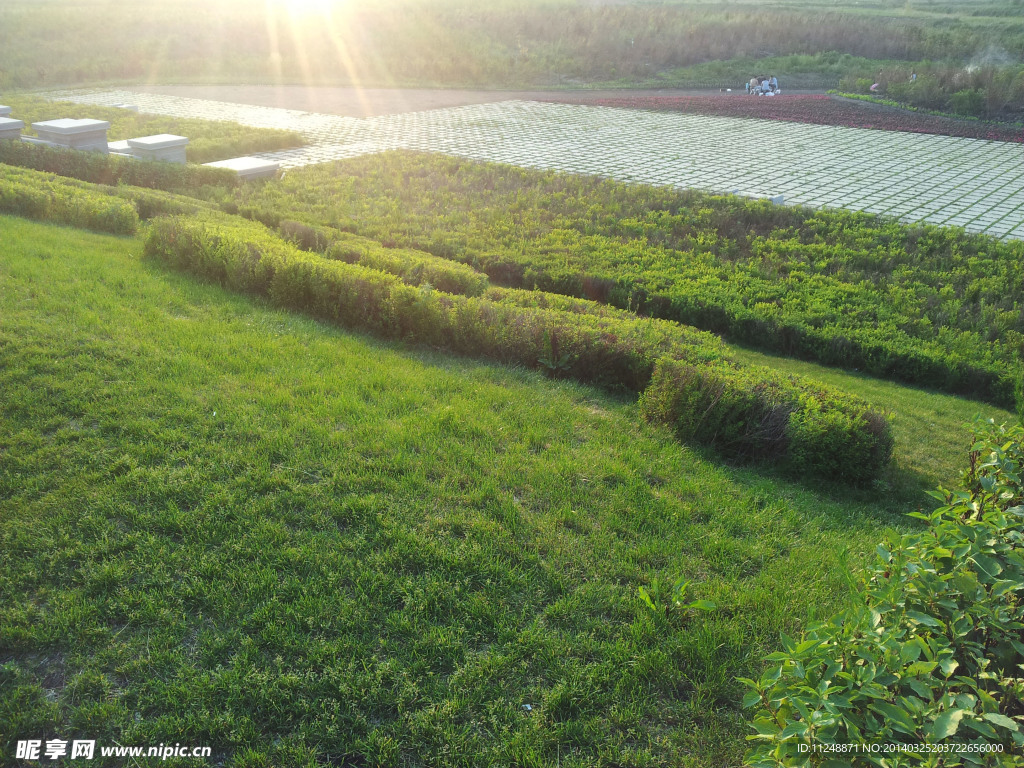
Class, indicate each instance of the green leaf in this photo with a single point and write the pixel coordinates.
(798, 728)
(765, 727)
(923, 618)
(945, 725)
(922, 668)
(703, 605)
(899, 719)
(948, 666)
(1001, 720)
(920, 688)
(750, 699)
(988, 565)
(910, 652)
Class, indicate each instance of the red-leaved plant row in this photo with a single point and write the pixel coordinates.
(816, 109)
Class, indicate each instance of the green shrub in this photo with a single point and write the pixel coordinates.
(97, 168)
(970, 101)
(927, 305)
(931, 652)
(614, 349)
(758, 413)
(50, 199)
(414, 267)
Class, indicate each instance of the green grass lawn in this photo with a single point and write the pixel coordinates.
(231, 526)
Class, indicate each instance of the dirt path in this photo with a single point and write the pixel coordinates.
(371, 102)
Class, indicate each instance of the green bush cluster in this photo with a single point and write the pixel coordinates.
(195, 180)
(933, 650)
(414, 267)
(53, 200)
(990, 91)
(609, 350)
(148, 203)
(920, 304)
(764, 414)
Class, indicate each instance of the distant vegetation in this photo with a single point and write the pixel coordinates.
(922, 304)
(96, 168)
(462, 43)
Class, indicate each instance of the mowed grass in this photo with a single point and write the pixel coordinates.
(230, 526)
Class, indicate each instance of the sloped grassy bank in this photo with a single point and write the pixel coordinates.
(803, 426)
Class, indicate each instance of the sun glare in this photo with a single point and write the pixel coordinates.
(306, 7)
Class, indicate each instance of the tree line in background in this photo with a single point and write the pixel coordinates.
(452, 44)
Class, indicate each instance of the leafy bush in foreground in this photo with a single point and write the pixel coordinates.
(612, 351)
(933, 652)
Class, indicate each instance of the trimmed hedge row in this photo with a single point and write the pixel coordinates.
(563, 303)
(147, 202)
(759, 413)
(931, 651)
(612, 351)
(51, 200)
(97, 168)
(414, 267)
(928, 305)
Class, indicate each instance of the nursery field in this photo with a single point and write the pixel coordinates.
(921, 304)
(230, 525)
(975, 184)
(817, 109)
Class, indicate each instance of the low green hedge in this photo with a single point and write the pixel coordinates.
(931, 654)
(148, 203)
(37, 197)
(762, 414)
(824, 431)
(98, 168)
(414, 267)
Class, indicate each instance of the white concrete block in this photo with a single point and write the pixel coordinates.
(248, 168)
(10, 128)
(4, 111)
(163, 146)
(75, 134)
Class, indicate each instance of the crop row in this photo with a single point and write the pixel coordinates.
(103, 208)
(195, 180)
(799, 424)
(33, 196)
(414, 267)
(817, 110)
(926, 305)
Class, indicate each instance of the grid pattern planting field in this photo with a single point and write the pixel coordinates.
(969, 183)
